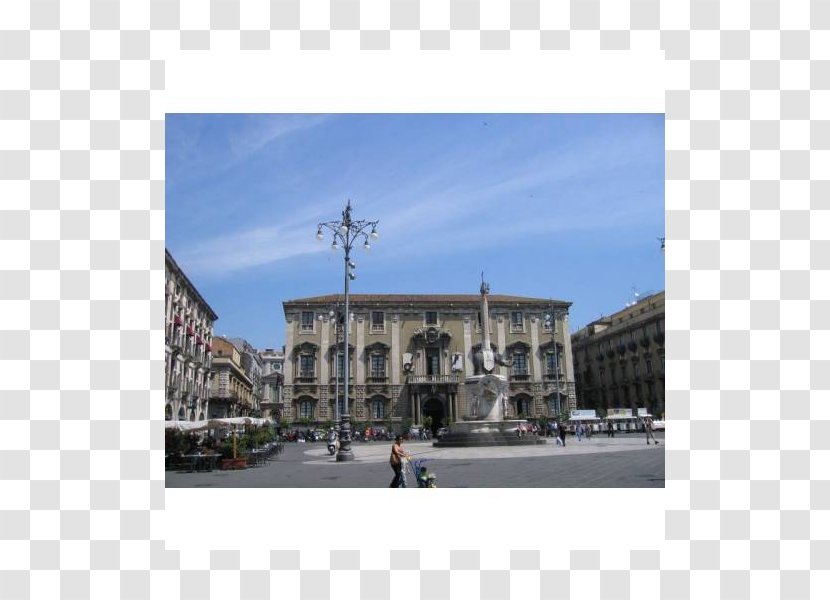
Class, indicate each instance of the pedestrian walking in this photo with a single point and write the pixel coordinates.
(396, 462)
(650, 431)
(562, 435)
(589, 430)
(579, 432)
(610, 430)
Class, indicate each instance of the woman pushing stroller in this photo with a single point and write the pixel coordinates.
(396, 462)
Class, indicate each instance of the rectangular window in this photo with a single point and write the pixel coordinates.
(516, 321)
(519, 363)
(341, 364)
(377, 321)
(378, 366)
(306, 365)
(307, 321)
(648, 367)
(377, 409)
(431, 317)
(550, 363)
(548, 324)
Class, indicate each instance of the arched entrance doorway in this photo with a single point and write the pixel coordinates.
(434, 408)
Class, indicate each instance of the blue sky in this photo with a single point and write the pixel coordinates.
(565, 206)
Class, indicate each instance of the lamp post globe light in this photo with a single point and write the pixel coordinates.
(343, 235)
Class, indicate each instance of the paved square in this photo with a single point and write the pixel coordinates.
(622, 461)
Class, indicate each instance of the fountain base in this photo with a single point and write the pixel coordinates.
(469, 434)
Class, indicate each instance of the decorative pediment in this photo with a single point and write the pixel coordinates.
(549, 345)
(339, 348)
(306, 348)
(518, 346)
(377, 348)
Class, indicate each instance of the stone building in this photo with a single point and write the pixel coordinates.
(619, 360)
(410, 354)
(231, 394)
(188, 334)
(252, 365)
(272, 382)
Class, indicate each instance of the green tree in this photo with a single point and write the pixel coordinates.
(427, 422)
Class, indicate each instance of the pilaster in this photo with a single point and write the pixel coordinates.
(469, 368)
(395, 353)
(359, 343)
(536, 363)
(501, 341)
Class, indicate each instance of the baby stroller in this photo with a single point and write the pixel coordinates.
(424, 479)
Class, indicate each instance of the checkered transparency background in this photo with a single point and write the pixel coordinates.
(747, 260)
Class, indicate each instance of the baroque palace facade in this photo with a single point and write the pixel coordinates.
(410, 354)
(188, 333)
(619, 360)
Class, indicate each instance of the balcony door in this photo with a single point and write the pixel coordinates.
(433, 356)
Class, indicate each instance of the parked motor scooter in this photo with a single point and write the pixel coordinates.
(333, 444)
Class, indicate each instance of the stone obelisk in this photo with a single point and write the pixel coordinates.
(489, 389)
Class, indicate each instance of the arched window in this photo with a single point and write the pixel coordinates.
(305, 409)
(522, 406)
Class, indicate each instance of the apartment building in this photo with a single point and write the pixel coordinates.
(188, 333)
(619, 360)
(272, 383)
(232, 392)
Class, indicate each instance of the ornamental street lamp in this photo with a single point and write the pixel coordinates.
(555, 313)
(343, 235)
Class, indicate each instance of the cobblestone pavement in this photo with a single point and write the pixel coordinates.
(622, 461)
